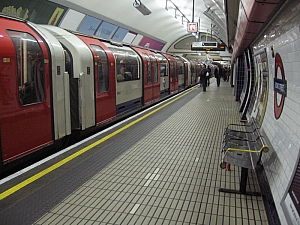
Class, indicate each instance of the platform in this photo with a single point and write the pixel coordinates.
(161, 167)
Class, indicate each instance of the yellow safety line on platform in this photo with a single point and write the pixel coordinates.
(80, 152)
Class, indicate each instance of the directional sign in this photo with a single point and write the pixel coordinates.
(207, 46)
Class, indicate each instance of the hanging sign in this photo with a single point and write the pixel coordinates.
(207, 46)
(192, 27)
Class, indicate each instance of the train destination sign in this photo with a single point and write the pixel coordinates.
(207, 46)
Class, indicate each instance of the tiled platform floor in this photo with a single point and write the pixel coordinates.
(171, 176)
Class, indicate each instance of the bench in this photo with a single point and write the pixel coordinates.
(243, 146)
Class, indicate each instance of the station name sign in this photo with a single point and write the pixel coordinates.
(280, 86)
(207, 46)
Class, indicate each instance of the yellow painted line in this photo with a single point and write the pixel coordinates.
(80, 152)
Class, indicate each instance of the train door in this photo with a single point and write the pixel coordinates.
(60, 85)
(148, 82)
(151, 83)
(25, 102)
(105, 83)
(79, 64)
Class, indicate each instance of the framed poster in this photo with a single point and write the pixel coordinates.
(258, 104)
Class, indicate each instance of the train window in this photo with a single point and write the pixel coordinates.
(68, 61)
(30, 67)
(179, 66)
(164, 71)
(163, 68)
(127, 67)
(102, 64)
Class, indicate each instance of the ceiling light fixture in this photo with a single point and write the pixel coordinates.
(209, 14)
(141, 7)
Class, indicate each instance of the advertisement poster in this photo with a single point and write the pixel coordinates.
(261, 87)
(40, 12)
(56, 16)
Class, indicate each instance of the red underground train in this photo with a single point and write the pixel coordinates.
(54, 82)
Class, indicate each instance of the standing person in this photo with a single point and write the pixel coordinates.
(227, 73)
(223, 74)
(208, 78)
(204, 74)
(217, 76)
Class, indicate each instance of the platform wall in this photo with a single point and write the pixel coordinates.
(281, 43)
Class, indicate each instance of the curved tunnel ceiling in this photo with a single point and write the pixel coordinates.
(161, 24)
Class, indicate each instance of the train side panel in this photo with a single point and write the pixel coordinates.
(25, 107)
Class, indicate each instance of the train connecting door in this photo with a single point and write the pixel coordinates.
(25, 107)
(187, 72)
(163, 67)
(180, 72)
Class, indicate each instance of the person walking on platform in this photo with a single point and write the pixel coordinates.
(208, 78)
(217, 76)
(204, 75)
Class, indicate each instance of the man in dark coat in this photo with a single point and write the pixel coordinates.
(217, 76)
(204, 75)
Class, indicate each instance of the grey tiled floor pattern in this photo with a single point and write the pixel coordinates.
(171, 176)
